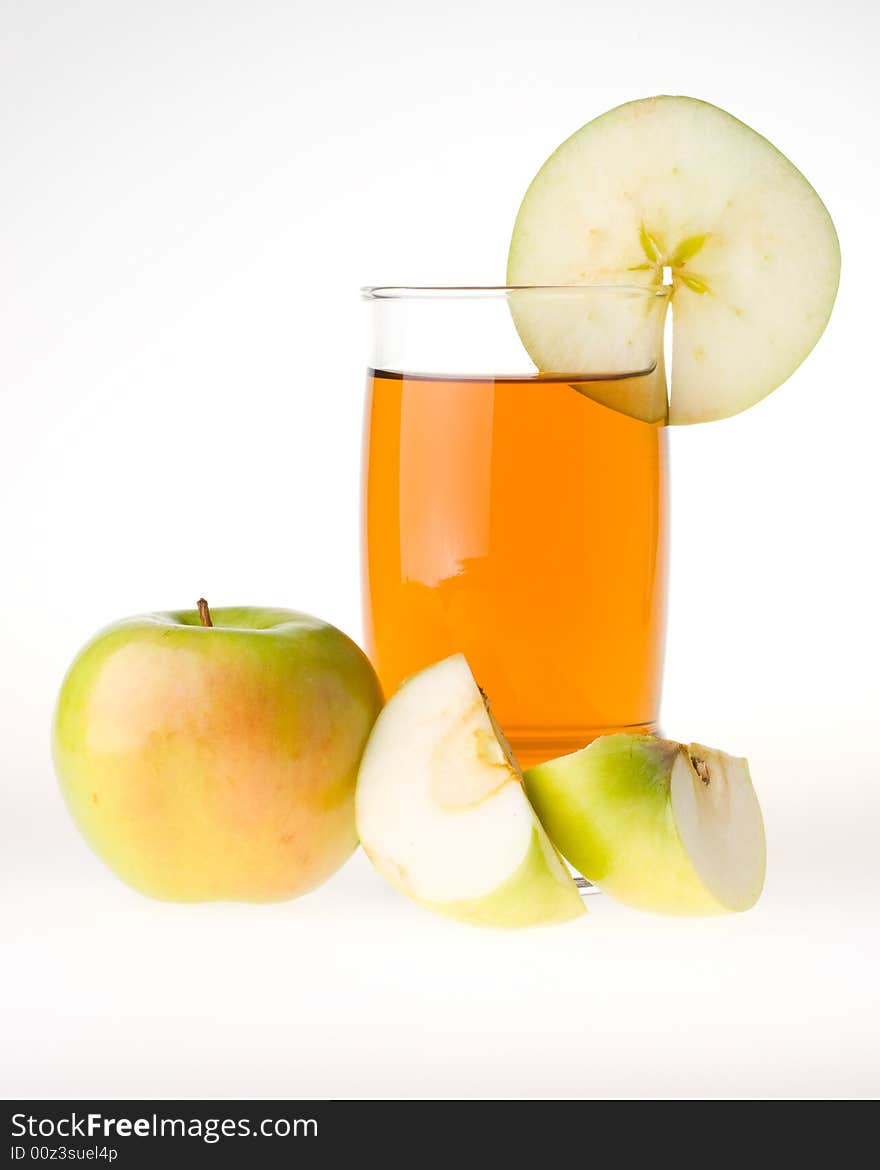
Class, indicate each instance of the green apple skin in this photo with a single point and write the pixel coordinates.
(216, 763)
(540, 893)
(608, 810)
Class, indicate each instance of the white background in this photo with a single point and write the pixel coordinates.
(191, 194)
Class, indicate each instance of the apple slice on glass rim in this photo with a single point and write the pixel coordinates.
(672, 190)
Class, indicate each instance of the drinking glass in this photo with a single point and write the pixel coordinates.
(509, 515)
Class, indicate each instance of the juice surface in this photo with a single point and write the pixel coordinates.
(523, 524)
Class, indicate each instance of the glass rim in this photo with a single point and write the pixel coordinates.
(391, 292)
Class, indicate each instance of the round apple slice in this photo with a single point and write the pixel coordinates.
(442, 814)
(659, 825)
(675, 190)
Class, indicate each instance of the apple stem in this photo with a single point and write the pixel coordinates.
(204, 613)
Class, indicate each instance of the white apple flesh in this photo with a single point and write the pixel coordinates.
(674, 188)
(658, 825)
(442, 814)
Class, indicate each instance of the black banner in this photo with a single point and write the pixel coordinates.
(130, 1135)
(134, 1134)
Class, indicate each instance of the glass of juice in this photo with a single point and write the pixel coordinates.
(508, 514)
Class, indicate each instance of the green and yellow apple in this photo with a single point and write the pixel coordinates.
(216, 760)
(656, 824)
(442, 814)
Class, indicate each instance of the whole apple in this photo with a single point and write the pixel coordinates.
(214, 756)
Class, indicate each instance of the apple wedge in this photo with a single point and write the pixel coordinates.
(674, 191)
(442, 814)
(656, 824)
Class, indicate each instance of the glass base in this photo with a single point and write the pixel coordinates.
(585, 889)
(537, 747)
